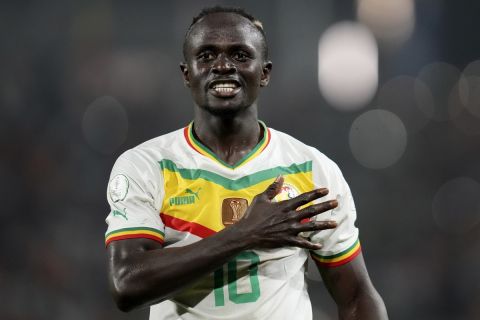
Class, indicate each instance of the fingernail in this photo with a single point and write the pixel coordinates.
(333, 203)
(322, 191)
(332, 223)
(279, 177)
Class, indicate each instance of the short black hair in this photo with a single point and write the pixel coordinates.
(219, 9)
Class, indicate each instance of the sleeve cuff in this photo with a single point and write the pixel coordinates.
(340, 258)
(132, 233)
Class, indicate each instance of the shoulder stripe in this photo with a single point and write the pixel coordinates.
(131, 233)
(340, 258)
(190, 227)
(235, 184)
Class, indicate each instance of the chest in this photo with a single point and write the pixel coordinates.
(199, 203)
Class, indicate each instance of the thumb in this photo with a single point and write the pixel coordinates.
(274, 188)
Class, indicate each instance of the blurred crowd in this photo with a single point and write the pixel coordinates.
(83, 81)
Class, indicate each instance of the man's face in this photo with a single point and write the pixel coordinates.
(225, 64)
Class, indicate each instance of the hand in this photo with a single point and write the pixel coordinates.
(268, 224)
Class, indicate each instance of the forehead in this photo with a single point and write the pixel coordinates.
(224, 29)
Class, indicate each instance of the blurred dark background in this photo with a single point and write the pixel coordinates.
(387, 89)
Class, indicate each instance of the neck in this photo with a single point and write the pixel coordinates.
(230, 138)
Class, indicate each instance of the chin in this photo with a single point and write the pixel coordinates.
(227, 109)
(228, 112)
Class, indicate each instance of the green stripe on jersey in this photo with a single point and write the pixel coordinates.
(135, 229)
(240, 183)
(333, 256)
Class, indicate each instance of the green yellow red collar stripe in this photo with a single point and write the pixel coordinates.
(203, 150)
(131, 233)
(340, 258)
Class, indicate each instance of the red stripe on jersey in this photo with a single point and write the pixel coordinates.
(187, 138)
(339, 263)
(133, 236)
(190, 227)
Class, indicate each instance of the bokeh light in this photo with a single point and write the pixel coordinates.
(378, 139)
(410, 99)
(105, 125)
(441, 79)
(391, 21)
(472, 69)
(466, 122)
(456, 205)
(470, 88)
(455, 101)
(465, 100)
(348, 65)
(138, 75)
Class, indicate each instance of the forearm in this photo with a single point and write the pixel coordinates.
(150, 276)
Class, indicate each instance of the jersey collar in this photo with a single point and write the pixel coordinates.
(203, 150)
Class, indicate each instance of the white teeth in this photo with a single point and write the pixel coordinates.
(223, 89)
(224, 85)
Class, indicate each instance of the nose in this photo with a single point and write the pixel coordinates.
(223, 65)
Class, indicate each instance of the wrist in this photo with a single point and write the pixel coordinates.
(235, 239)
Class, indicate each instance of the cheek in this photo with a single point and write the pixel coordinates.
(254, 78)
(252, 75)
(257, 72)
(197, 74)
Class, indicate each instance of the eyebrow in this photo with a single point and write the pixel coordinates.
(232, 47)
(205, 47)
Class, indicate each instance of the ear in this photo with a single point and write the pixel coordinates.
(186, 79)
(266, 70)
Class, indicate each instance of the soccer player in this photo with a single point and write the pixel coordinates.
(216, 220)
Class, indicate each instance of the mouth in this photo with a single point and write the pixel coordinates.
(224, 88)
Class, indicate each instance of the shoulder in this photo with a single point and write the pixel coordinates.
(156, 148)
(146, 156)
(288, 144)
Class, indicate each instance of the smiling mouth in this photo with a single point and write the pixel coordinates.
(224, 89)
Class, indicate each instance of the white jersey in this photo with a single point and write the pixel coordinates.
(174, 190)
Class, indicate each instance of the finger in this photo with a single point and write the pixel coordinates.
(315, 226)
(305, 198)
(304, 243)
(274, 188)
(315, 209)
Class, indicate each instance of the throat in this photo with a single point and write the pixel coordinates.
(234, 155)
(230, 147)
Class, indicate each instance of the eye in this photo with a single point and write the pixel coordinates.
(205, 56)
(241, 56)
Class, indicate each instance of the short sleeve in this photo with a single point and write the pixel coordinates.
(340, 245)
(134, 193)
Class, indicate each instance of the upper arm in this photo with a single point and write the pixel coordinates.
(124, 262)
(347, 281)
(135, 195)
(121, 251)
(353, 292)
(121, 255)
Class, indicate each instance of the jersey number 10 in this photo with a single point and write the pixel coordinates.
(233, 294)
